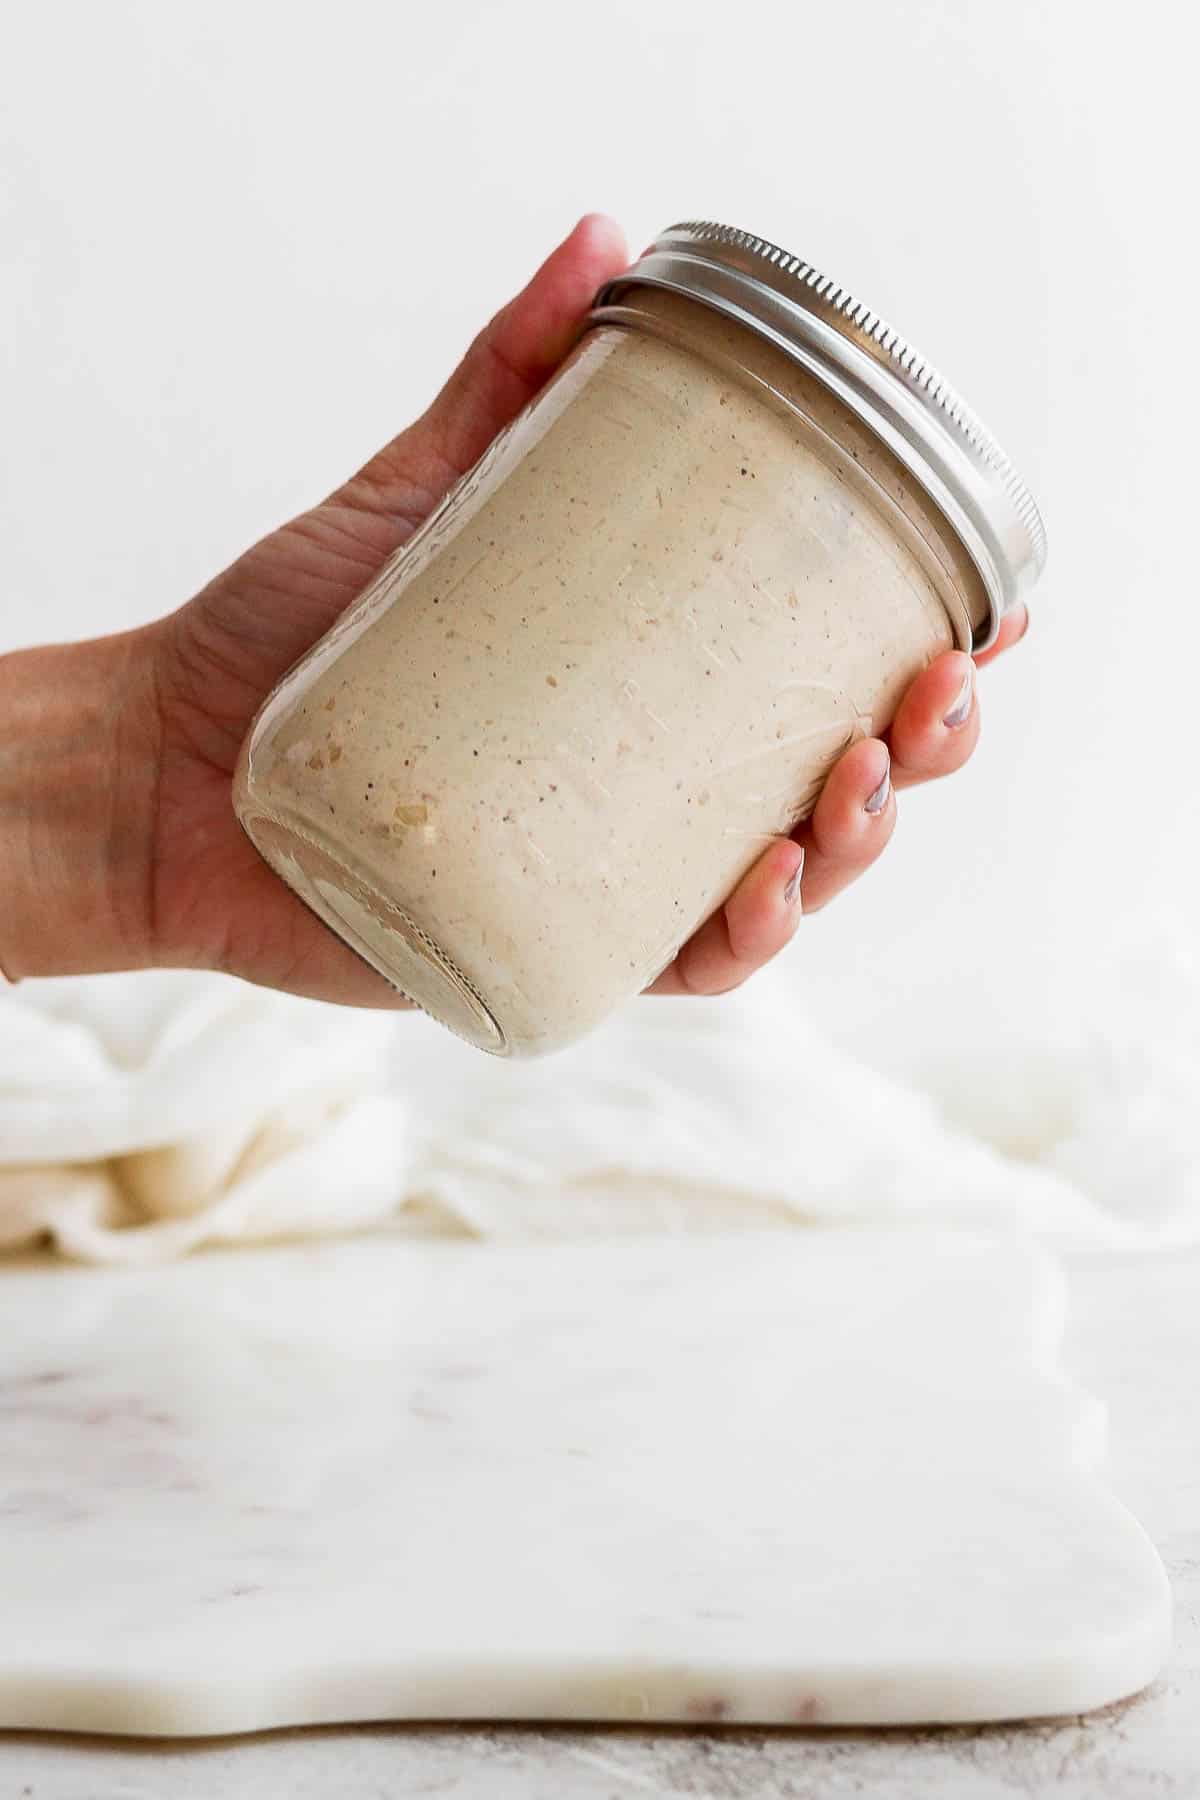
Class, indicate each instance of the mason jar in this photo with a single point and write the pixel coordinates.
(562, 722)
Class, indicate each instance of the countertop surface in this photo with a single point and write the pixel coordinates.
(1134, 1339)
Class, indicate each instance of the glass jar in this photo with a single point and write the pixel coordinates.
(564, 720)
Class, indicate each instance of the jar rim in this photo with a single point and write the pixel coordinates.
(890, 387)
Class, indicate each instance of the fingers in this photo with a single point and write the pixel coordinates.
(934, 732)
(851, 823)
(755, 923)
(853, 820)
(1012, 629)
(506, 365)
(937, 724)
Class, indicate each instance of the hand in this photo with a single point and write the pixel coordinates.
(116, 757)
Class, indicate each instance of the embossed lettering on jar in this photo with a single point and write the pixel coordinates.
(558, 728)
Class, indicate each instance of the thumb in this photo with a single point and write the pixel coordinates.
(227, 647)
(505, 366)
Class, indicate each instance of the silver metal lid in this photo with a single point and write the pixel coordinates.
(879, 376)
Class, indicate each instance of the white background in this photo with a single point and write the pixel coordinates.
(241, 244)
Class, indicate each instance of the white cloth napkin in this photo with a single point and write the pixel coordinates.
(688, 1115)
(142, 1116)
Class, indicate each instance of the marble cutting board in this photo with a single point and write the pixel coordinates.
(813, 1477)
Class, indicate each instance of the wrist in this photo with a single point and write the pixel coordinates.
(78, 769)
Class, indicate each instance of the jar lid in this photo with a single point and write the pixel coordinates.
(873, 371)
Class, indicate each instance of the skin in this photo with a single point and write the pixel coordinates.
(118, 844)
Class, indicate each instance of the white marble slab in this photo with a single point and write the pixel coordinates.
(807, 1477)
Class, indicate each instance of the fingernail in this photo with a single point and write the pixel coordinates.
(960, 712)
(876, 801)
(791, 892)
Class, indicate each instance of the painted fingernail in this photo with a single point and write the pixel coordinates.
(791, 892)
(876, 801)
(960, 712)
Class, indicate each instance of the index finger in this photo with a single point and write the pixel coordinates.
(1012, 629)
